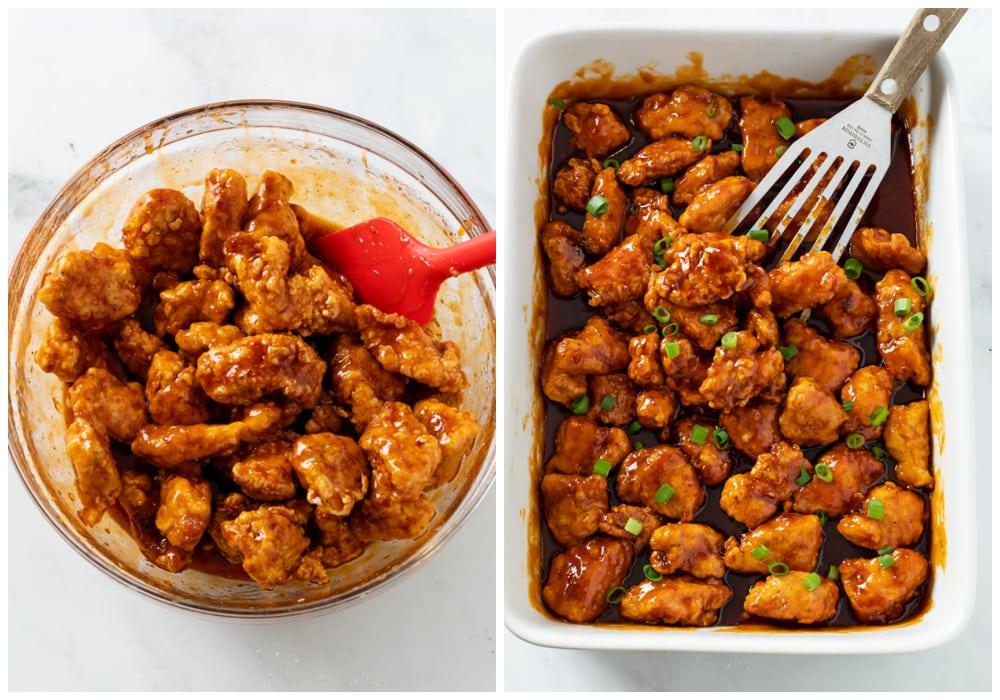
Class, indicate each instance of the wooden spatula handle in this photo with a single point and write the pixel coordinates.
(923, 37)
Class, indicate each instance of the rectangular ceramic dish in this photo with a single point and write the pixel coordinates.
(641, 57)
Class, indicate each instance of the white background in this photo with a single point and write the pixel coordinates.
(78, 81)
(964, 664)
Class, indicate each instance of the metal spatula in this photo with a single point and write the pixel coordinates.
(850, 150)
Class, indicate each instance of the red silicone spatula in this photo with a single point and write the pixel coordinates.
(393, 271)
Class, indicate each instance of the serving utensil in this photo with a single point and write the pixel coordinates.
(849, 151)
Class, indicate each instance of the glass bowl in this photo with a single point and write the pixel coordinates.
(345, 169)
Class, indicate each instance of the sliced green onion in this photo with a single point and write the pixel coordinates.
(886, 550)
(672, 349)
(738, 147)
(721, 438)
(833, 573)
(666, 185)
(637, 445)
(597, 205)
(759, 552)
(812, 581)
(633, 526)
(921, 286)
(661, 314)
(699, 143)
(901, 307)
(780, 150)
(848, 405)
(581, 405)
(878, 416)
(670, 329)
(602, 467)
(803, 477)
(729, 340)
(651, 574)
(823, 473)
(759, 234)
(886, 561)
(650, 328)
(822, 517)
(713, 108)
(609, 401)
(709, 319)
(876, 509)
(777, 568)
(788, 351)
(615, 595)
(699, 433)
(659, 248)
(634, 427)
(785, 127)
(913, 322)
(664, 493)
(880, 454)
(611, 163)
(854, 440)
(557, 103)
(853, 268)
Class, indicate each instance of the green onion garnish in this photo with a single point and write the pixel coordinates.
(699, 433)
(659, 248)
(634, 427)
(853, 268)
(713, 108)
(812, 581)
(833, 573)
(609, 401)
(651, 574)
(721, 438)
(886, 550)
(913, 322)
(788, 351)
(876, 509)
(738, 147)
(780, 150)
(666, 185)
(854, 440)
(785, 127)
(921, 286)
(633, 526)
(759, 552)
(777, 568)
(661, 314)
(581, 405)
(611, 163)
(879, 453)
(823, 473)
(822, 517)
(699, 143)
(602, 467)
(901, 307)
(557, 103)
(729, 340)
(709, 319)
(759, 234)
(848, 405)
(886, 561)
(672, 349)
(637, 445)
(670, 329)
(650, 328)
(664, 493)
(803, 477)
(615, 595)
(597, 205)
(878, 416)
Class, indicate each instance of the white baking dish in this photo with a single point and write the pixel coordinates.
(727, 57)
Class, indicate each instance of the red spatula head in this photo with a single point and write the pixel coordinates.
(393, 271)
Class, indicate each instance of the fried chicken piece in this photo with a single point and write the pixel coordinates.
(689, 547)
(854, 472)
(878, 593)
(136, 347)
(789, 538)
(597, 130)
(662, 158)
(334, 470)
(359, 381)
(908, 439)
(271, 543)
(787, 598)
(326, 418)
(104, 400)
(868, 389)
(828, 362)
(402, 346)
(557, 385)
(763, 326)
(621, 275)
(269, 213)
(900, 522)
(184, 511)
(625, 515)
(140, 499)
(811, 414)
(753, 428)
(741, 373)
(676, 600)
(850, 312)
(563, 248)
(98, 483)
(705, 172)
(714, 465)
(394, 520)
(643, 474)
(904, 352)
(68, 352)
(630, 316)
(574, 182)
(685, 369)
(581, 441)
(573, 505)
(689, 111)
(580, 578)
(173, 393)
(655, 408)
(753, 497)
(649, 216)
(258, 366)
(191, 301)
(162, 231)
(612, 399)
(702, 269)
(689, 320)
(338, 543)
(879, 250)
(598, 348)
(760, 137)
(601, 232)
(264, 471)
(714, 204)
(812, 280)
(202, 336)
(403, 454)
(455, 429)
(223, 207)
(91, 290)
(644, 368)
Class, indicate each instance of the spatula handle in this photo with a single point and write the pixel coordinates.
(477, 252)
(923, 37)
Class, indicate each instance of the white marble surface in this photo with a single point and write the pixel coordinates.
(77, 81)
(965, 663)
